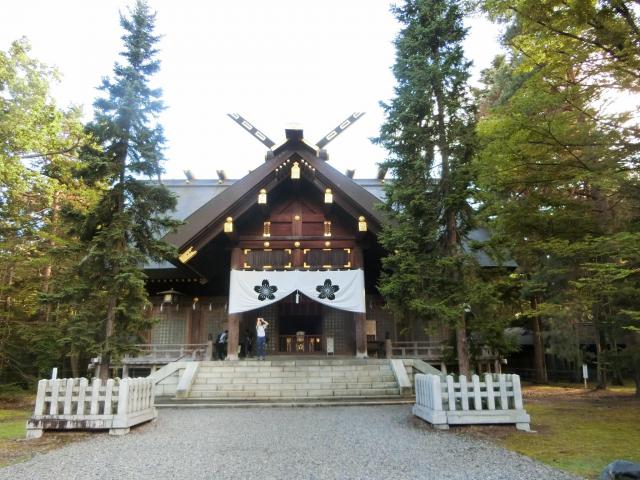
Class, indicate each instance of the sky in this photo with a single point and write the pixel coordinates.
(277, 63)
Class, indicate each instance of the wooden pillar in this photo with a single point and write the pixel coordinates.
(234, 318)
(360, 319)
(189, 323)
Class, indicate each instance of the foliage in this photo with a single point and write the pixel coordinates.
(38, 181)
(429, 134)
(122, 231)
(557, 171)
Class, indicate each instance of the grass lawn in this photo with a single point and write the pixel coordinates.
(579, 431)
(14, 412)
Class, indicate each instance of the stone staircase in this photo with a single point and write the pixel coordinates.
(292, 381)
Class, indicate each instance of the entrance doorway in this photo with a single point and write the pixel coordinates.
(300, 326)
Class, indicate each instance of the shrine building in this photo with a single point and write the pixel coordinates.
(294, 242)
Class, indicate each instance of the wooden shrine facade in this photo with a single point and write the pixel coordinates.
(294, 212)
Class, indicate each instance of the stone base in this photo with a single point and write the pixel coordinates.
(33, 433)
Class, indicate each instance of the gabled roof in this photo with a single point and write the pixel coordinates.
(205, 222)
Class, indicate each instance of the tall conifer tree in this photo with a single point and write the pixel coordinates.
(429, 134)
(558, 174)
(123, 230)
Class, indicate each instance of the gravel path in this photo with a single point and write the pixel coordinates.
(277, 443)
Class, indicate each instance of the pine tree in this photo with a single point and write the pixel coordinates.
(123, 231)
(556, 172)
(39, 144)
(429, 135)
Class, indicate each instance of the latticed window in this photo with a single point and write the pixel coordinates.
(339, 324)
(171, 329)
(326, 258)
(267, 258)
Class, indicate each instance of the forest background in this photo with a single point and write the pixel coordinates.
(536, 155)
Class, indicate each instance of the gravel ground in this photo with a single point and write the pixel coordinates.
(276, 443)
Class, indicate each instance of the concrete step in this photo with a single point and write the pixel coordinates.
(278, 379)
(311, 369)
(165, 402)
(294, 377)
(290, 386)
(297, 362)
(323, 393)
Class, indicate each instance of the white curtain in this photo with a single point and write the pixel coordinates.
(342, 289)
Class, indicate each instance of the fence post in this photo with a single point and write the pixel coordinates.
(82, 387)
(464, 393)
(451, 392)
(491, 403)
(108, 395)
(68, 396)
(42, 390)
(436, 392)
(95, 396)
(504, 404)
(55, 388)
(123, 396)
(477, 398)
(517, 392)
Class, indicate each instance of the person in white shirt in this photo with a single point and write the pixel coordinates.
(261, 336)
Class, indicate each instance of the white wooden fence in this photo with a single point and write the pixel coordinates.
(72, 403)
(442, 401)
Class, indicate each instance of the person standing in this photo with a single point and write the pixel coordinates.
(261, 337)
(221, 342)
(247, 344)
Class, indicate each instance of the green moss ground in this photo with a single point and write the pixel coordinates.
(577, 431)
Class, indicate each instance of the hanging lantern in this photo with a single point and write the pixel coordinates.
(328, 196)
(362, 224)
(170, 297)
(295, 171)
(228, 225)
(327, 228)
(262, 197)
(195, 302)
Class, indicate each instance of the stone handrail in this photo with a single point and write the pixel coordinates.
(74, 404)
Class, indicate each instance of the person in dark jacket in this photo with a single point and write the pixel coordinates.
(247, 343)
(221, 344)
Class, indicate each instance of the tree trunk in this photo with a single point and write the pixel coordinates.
(601, 370)
(74, 360)
(48, 269)
(451, 239)
(540, 370)
(105, 359)
(462, 346)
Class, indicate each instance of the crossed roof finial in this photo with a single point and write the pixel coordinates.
(320, 144)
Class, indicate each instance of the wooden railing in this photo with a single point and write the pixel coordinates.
(429, 351)
(300, 344)
(157, 353)
(73, 403)
(423, 350)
